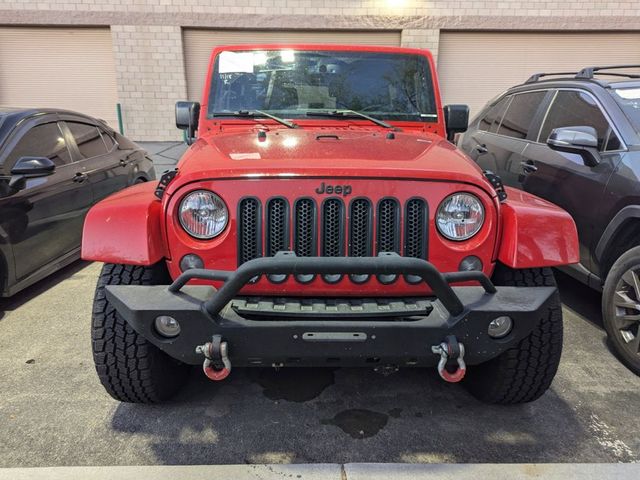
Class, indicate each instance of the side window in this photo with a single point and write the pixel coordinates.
(88, 139)
(573, 109)
(491, 120)
(109, 142)
(44, 140)
(522, 109)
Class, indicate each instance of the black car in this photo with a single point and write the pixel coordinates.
(54, 165)
(575, 141)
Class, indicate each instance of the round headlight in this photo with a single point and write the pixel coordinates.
(460, 216)
(203, 214)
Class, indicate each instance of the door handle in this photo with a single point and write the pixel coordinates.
(481, 149)
(123, 162)
(528, 167)
(79, 177)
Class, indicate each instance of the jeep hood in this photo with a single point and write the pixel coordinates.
(328, 152)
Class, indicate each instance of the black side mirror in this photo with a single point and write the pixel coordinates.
(581, 140)
(187, 114)
(29, 167)
(456, 120)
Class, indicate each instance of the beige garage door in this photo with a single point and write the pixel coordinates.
(70, 68)
(474, 67)
(199, 43)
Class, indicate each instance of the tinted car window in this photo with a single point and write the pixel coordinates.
(491, 120)
(573, 109)
(88, 139)
(41, 141)
(520, 113)
(109, 142)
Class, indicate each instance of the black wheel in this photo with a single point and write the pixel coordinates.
(522, 373)
(130, 368)
(621, 308)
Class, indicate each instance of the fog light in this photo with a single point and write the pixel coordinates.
(167, 326)
(500, 327)
(470, 263)
(191, 261)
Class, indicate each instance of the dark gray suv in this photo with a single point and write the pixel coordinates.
(574, 139)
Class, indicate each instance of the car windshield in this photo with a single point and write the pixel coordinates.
(629, 100)
(298, 83)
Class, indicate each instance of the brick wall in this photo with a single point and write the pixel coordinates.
(147, 40)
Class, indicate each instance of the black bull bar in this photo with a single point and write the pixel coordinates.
(304, 340)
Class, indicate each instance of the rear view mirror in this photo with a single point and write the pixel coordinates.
(581, 140)
(29, 167)
(187, 114)
(456, 120)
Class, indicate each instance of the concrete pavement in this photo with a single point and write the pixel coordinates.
(350, 471)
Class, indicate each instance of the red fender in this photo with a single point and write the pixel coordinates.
(536, 233)
(125, 228)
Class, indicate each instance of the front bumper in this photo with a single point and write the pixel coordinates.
(309, 339)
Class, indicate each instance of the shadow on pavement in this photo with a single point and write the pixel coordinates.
(22, 297)
(583, 300)
(348, 415)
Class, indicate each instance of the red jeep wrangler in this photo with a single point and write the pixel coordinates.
(320, 218)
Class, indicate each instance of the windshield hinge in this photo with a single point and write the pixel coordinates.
(498, 186)
(166, 178)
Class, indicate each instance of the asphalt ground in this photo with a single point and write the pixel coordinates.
(54, 412)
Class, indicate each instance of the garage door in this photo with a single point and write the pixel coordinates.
(70, 68)
(474, 66)
(198, 45)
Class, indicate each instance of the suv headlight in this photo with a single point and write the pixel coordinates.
(203, 214)
(460, 216)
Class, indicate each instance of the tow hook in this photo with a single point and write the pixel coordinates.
(450, 349)
(217, 365)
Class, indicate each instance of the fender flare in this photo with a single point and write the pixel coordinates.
(613, 228)
(126, 228)
(536, 233)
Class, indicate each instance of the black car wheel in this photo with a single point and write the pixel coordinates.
(522, 373)
(130, 368)
(621, 308)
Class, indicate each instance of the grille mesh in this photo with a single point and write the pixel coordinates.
(277, 226)
(360, 228)
(415, 228)
(249, 241)
(388, 226)
(332, 228)
(305, 215)
(332, 235)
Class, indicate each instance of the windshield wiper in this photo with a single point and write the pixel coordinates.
(350, 113)
(256, 113)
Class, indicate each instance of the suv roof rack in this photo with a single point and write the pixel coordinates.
(588, 73)
(537, 76)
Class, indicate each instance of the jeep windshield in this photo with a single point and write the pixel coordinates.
(303, 83)
(629, 101)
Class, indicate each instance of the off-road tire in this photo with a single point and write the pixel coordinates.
(524, 372)
(129, 367)
(630, 260)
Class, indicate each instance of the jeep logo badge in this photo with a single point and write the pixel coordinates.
(343, 190)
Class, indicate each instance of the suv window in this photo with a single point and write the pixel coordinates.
(88, 139)
(491, 121)
(572, 109)
(520, 113)
(45, 140)
(109, 142)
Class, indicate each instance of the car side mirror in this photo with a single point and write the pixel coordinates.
(456, 120)
(187, 114)
(29, 167)
(581, 140)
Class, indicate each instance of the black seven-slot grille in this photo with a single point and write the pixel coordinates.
(332, 229)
